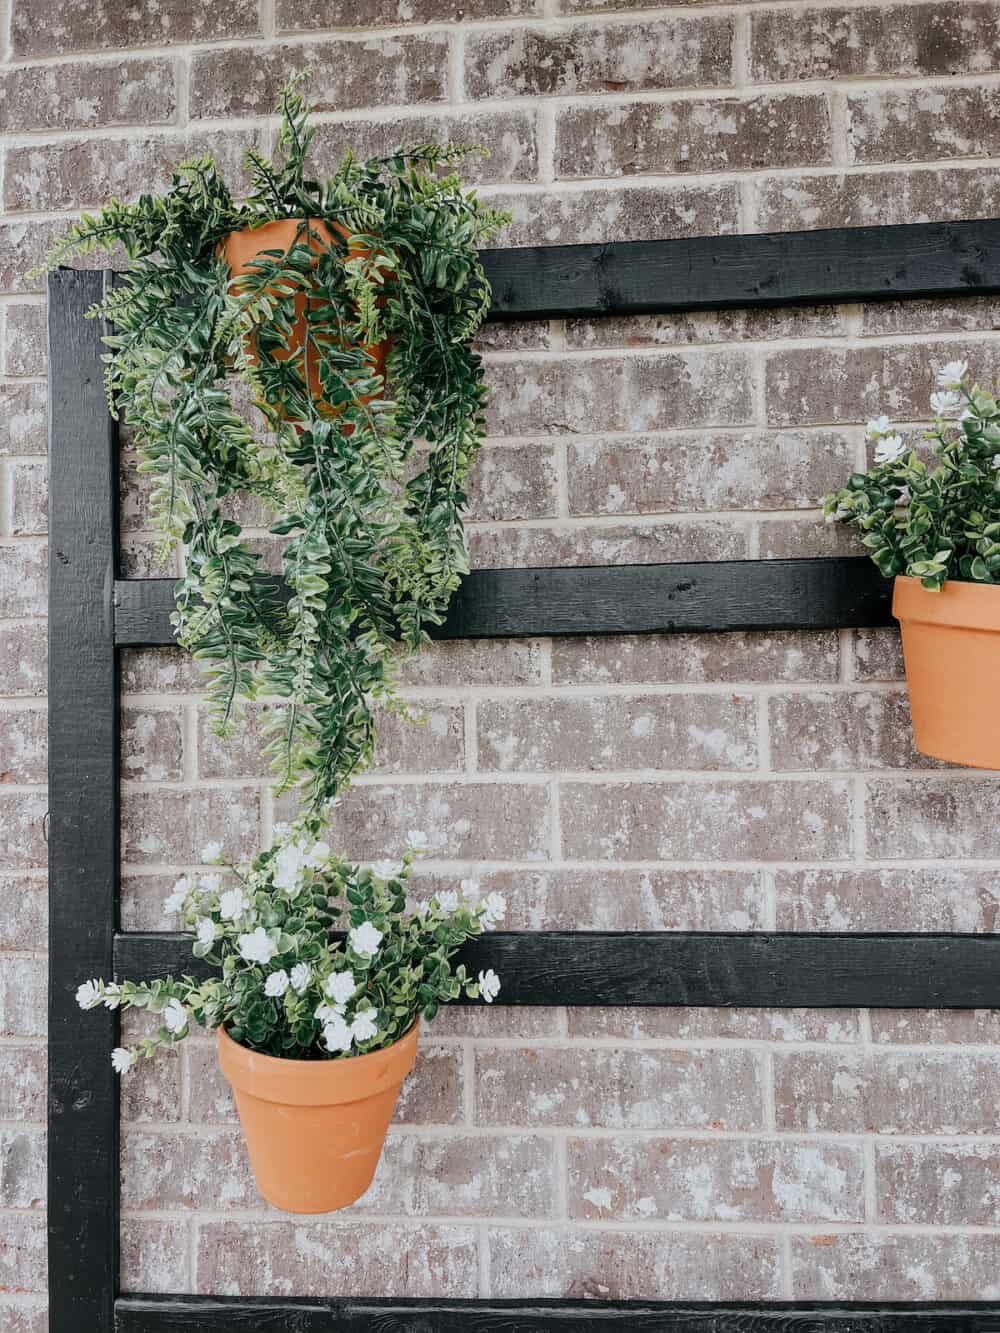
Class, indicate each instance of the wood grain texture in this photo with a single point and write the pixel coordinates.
(83, 813)
(200, 1314)
(686, 597)
(766, 969)
(713, 272)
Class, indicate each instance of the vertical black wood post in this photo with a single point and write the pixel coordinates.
(83, 814)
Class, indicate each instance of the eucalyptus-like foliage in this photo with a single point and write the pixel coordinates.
(286, 985)
(364, 482)
(938, 520)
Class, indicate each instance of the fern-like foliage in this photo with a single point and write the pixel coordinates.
(364, 481)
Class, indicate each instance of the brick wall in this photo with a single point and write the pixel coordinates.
(706, 782)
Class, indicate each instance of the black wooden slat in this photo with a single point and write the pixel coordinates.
(701, 968)
(713, 272)
(831, 593)
(202, 1314)
(83, 813)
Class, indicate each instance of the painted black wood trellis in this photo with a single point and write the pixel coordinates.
(93, 613)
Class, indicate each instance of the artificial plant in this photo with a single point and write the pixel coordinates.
(933, 518)
(364, 485)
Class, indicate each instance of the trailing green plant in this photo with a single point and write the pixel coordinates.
(365, 489)
(286, 985)
(932, 520)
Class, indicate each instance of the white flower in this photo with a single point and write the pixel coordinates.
(422, 909)
(941, 403)
(318, 855)
(337, 1035)
(257, 947)
(889, 449)
(112, 996)
(364, 1027)
(448, 900)
(211, 853)
(329, 1013)
(175, 901)
(996, 463)
(276, 984)
(288, 867)
(122, 1059)
(878, 426)
(470, 890)
(386, 869)
(88, 995)
(175, 1016)
(340, 986)
(364, 939)
(951, 375)
(232, 904)
(417, 841)
(210, 883)
(206, 929)
(489, 985)
(495, 909)
(301, 977)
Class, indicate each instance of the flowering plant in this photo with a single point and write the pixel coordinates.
(289, 985)
(933, 522)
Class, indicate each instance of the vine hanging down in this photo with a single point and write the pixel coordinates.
(362, 471)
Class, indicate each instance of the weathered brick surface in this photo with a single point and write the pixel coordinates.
(922, 124)
(305, 15)
(942, 1184)
(696, 731)
(619, 1089)
(828, 41)
(546, 62)
(69, 25)
(293, 1258)
(721, 134)
(379, 72)
(85, 95)
(751, 1180)
(932, 816)
(23, 416)
(609, 899)
(855, 730)
(691, 782)
(82, 174)
(635, 213)
(695, 658)
(24, 343)
(715, 821)
(889, 1092)
(940, 899)
(778, 470)
(863, 1267)
(603, 1264)
(510, 138)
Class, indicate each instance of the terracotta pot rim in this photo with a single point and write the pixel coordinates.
(317, 1082)
(962, 604)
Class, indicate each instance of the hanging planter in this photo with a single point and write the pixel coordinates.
(308, 292)
(314, 1129)
(250, 250)
(951, 647)
(936, 529)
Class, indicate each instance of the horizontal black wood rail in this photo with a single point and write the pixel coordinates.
(831, 593)
(779, 969)
(714, 272)
(211, 1314)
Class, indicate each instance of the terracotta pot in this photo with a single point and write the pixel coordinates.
(315, 1128)
(242, 248)
(951, 645)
